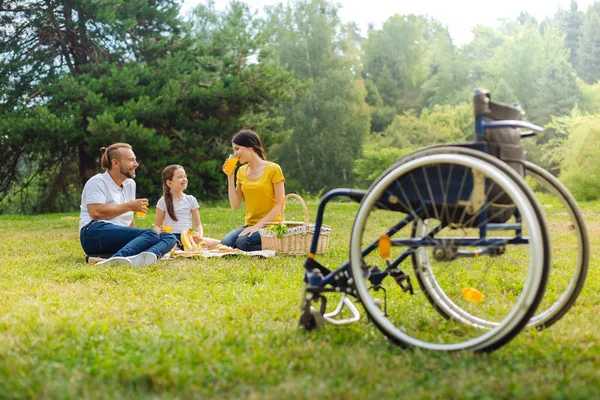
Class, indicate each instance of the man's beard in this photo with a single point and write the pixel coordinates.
(127, 173)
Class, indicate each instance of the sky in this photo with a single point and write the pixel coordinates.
(460, 16)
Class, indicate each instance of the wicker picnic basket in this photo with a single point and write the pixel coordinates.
(299, 235)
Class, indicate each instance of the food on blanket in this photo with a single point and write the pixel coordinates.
(181, 253)
(192, 241)
(224, 249)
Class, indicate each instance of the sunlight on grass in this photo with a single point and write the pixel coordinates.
(229, 328)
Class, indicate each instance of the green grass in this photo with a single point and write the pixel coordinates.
(228, 328)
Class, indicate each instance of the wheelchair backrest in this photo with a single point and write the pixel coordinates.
(503, 143)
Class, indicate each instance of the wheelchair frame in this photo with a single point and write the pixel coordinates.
(320, 280)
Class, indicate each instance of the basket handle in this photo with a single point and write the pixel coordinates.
(304, 208)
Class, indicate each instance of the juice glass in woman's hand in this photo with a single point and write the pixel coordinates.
(230, 164)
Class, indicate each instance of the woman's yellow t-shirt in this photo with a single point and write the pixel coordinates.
(259, 194)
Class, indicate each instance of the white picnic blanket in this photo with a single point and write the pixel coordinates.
(215, 253)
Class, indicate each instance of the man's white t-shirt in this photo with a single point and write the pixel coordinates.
(102, 189)
(183, 212)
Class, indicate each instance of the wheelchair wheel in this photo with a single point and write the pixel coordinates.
(570, 246)
(423, 219)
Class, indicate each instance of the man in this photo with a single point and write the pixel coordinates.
(106, 220)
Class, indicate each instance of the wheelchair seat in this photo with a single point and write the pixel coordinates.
(502, 143)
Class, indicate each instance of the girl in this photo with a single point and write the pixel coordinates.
(177, 209)
(261, 183)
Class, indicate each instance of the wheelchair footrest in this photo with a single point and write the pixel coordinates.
(344, 301)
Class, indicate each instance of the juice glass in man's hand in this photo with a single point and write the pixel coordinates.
(230, 164)
(142, 214)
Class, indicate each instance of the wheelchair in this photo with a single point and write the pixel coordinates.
(451, 248)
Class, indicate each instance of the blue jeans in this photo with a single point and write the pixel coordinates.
(103, 238)
(244, 243)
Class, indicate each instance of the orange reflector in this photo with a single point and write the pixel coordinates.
(472, 295)
(385, 247)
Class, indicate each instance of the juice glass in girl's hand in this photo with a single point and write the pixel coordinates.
(230, 164)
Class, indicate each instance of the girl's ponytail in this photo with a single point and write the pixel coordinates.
(167, 175)
(169, 202)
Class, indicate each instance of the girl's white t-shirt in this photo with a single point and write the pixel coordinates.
(183, 212)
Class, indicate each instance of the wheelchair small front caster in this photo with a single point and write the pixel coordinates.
(311, 319)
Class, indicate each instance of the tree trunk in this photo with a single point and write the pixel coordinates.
(87, 164)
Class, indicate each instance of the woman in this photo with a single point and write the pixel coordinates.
(261, 183)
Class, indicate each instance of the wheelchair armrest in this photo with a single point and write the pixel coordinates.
(357, 195)
(511, 123)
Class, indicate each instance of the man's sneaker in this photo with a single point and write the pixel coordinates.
(94, 260)
(143, 259)
(114, 261)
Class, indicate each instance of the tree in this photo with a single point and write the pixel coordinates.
(570, 22)
(40, 41)
(330, 119)
(533, 70)
(448, 80)
(557, 91)
(589, 46)
(177, 96)
(581, 156)
(478, 53)
(408, 132)
(590, 97)
(441, 124)
(394, 59)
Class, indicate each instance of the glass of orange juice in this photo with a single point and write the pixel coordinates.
(230, 164)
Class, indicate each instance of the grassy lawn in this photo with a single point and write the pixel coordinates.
(228, 328)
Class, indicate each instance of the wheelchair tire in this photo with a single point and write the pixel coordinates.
(570, 247)
(411, 321)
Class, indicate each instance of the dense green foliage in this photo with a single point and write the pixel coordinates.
(176, 96)
(330, 119)
(580, 164)
(77, 75)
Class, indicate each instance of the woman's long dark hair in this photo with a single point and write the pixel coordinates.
(167, 175)
(248, 138)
